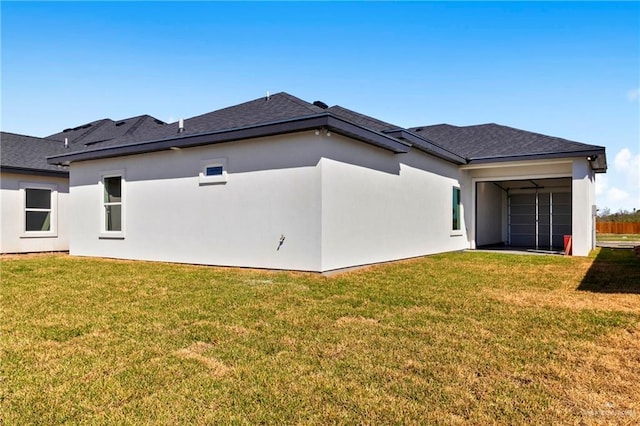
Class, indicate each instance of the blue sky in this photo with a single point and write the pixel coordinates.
(564, 69)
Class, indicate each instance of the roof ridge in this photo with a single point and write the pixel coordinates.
(299, 101)
(220, 109)
(285, 95)
(417, 134)
(135, 125)
(92, 128)
(138, 117)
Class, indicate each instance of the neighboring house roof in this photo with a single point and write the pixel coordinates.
(106, 129)
(493, 142)
(28, 154)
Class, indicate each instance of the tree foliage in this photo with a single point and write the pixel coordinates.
(605, 215)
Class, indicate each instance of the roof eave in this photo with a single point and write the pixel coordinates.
(598, 162)
(426, 145)
(316, 121)
(32, 171)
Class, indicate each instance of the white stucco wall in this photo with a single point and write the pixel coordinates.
(273, 190)
(13, 239)
(490, 214)
(583, 199)
(377, 206)
(338, 203)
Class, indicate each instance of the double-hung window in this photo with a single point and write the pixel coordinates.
(39, 202)
(112, 204)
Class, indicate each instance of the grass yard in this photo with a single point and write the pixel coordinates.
(455, 338)
(618, 237)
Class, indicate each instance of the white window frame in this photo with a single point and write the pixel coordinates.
(53, 220)
(456, 232)
(103, 231)
(217, 179)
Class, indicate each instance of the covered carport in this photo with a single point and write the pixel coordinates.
(524, 189)
(525, 213)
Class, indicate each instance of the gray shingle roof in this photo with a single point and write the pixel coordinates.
(282, 113)
(277, 114)
(23, 153)
(492, 140)
(361, 119)
(280, 106)
(106, 129)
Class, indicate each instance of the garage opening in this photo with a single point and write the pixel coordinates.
(527, 214)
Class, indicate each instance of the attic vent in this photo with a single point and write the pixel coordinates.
(120, 123)
(159, 122)
(321, 104)
(419, 129)
(67, 130)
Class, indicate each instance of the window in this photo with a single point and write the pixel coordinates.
(112, 204)
(39, 209)
(456, 225)
(213, 171)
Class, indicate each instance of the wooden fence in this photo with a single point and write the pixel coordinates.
(618, 227)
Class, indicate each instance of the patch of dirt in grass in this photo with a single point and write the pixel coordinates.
(337, 351)
(195, 352)
(357, 320)
(234, 328)
(603, 377)
(569, 300)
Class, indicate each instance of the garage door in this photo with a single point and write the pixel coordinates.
(539, 220)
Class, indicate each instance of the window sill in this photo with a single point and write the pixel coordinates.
(39, 235)
(111, 236)
(456, 234)
(212, 180)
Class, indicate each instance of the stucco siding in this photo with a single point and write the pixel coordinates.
(490, 211)
(13, 239)
(272, 191)
(583, 200)
(378, 207)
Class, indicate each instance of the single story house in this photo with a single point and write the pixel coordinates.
(281, 183)
(34, 195)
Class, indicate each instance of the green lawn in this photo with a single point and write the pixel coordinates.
(456, 338)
